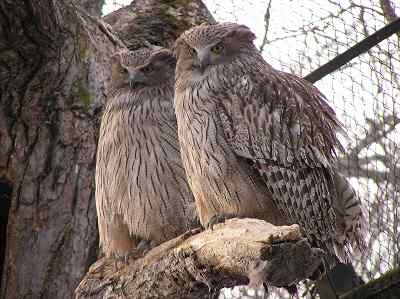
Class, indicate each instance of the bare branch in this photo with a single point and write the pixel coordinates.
(267, 18)
(351, 168)
(375, 133)
(354, 165)
(104, 27)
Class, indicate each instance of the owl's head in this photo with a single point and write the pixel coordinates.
(143, 67)
(207, 45)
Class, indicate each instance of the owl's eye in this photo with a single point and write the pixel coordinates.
(124, 70)
(147, 69)
(217, 49)
(191, 51)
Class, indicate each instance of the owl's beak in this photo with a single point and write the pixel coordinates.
(204, 58)
(136, 76)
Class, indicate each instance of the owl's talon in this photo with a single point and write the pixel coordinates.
(318, 273)
(144, 246)
(139, 251)
(292, 290)
(220, 218)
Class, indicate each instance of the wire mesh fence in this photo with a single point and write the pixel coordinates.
(365, 94)
(298, 37)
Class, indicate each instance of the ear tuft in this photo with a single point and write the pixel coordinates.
(204, 24)
(119, 55)
(116, 57)
(241, 32)
(152, 47)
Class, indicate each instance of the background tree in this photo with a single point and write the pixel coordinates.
(54, 71)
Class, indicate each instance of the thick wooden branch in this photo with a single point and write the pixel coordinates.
(197, 265)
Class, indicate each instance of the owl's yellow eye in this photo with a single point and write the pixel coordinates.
(191, 51)
(217, 49)
(147, 69)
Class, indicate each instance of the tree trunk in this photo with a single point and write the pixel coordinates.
(54, 72)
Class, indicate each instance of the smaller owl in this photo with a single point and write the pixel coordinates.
(141, 188)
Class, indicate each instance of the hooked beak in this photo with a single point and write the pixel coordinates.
(136, 76)
(204, 59)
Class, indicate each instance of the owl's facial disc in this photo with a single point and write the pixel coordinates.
(152, 73)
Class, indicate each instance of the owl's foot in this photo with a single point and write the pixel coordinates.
(139, 251)
(144, 246)
(292, 290)
(220, 218)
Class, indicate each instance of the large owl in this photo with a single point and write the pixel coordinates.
(257, 142)
(141, 188)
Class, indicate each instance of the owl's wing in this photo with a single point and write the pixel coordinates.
(280, 119)
(284, 128)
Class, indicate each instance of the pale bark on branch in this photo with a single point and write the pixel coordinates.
(198, 265)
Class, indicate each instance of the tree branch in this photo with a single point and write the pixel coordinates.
(375, 133)
(192, 266)
(353, 165)
(104, 27)
(267, 18)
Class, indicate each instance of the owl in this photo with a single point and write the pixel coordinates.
(257, 142)
(142, 194)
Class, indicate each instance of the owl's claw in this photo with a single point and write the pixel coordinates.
(220, 218)
(139, 251)
(318, 273)
(292, 290)
(144, 246)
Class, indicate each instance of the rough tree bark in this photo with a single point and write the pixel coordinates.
(53, 78)
(54, 72)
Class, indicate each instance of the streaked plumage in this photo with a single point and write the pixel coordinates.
(259, 142)
(141, 187)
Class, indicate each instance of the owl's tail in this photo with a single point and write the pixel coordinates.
(350, 215)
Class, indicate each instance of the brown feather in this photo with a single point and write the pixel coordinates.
(141, 187)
